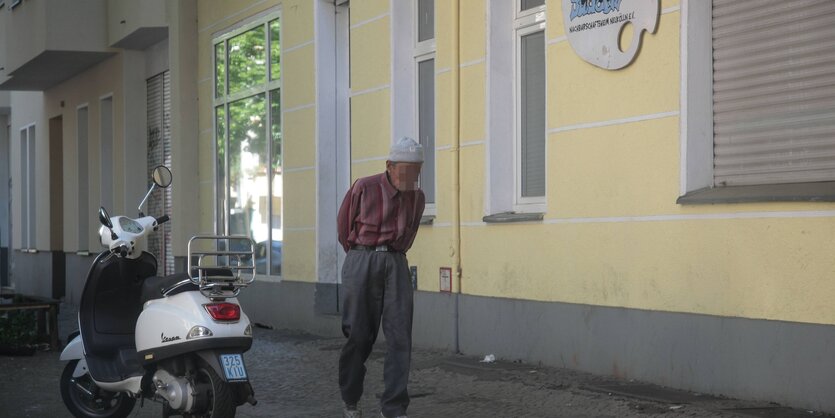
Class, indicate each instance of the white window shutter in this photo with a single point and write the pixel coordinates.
(533, 115)
(774, 91)
(426, 126)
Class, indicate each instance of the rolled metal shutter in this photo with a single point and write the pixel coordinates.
(773, 91)
(159, 153)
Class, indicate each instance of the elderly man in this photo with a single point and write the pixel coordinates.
(377, 223)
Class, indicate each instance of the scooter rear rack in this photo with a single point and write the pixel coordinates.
(232, 268)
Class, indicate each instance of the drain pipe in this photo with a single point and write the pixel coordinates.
(456, 162)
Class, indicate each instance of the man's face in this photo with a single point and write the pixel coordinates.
(404, 176)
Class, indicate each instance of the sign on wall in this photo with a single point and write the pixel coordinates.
(594, 28)
(445, 279)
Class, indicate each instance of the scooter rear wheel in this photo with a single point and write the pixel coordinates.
(85, 399)
(215, 393)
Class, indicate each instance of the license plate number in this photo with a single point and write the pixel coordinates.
(233, 367)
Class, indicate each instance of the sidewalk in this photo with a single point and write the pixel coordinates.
(294, 375)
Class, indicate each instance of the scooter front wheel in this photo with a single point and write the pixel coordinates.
(85, 399)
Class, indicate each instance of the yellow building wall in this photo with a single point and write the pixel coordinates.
(613, 234)
(88, 88)
(370, 38)
(216, 17)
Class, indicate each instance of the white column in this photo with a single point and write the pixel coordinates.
(332, 132)
(135, 131)
(182, 53)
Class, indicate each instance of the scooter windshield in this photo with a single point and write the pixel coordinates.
(129, 225)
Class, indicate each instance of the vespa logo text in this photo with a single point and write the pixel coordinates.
(169, 339)
(587, 7)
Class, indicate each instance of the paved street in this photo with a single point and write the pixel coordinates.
(294, 375)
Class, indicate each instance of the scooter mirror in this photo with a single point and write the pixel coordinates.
(162, 176)
(104, 218)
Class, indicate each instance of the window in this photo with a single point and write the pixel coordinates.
(247, 110)
(773, 126)
(425, 80)
(529, 44)
(28, 207)
(525, 5)
(516, 177)
(757, 108)
(425, 20)
(83, 179)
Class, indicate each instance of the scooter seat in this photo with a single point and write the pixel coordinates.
(157, 287)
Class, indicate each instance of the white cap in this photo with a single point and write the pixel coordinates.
(406, 150)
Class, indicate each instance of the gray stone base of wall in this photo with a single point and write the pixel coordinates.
(39, 274)
(287, 305)
(785, 362)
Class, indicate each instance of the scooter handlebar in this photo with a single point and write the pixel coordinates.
(163, 219)
(120, 251)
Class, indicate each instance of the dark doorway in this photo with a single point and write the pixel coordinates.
(6, 193)
(56, 206)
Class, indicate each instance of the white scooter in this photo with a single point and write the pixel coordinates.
(178, 340)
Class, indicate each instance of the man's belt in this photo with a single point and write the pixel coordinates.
(377, 248)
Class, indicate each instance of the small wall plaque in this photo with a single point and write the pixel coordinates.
(446, 279)
(594, 27)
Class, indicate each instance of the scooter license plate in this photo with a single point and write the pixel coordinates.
(233, 367)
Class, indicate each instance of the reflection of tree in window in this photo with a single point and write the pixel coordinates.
(275, 50)
(249, 154)
(247, 160)
(220, 70)
(220, 124)
(275, 129)
(247, 60)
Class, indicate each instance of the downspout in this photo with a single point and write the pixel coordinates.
(456, 163)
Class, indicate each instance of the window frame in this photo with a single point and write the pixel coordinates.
(431, 207)
(696, 127)
(24, 188)
(225, 99)
(422, 47)
(525, 15)
(526, 23)
(28, 204)
(425, 51)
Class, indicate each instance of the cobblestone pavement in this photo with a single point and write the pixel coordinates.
(294, 375)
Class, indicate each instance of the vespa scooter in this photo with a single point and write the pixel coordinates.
(178, 340)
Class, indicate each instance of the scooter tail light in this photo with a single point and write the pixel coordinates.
(224, 311)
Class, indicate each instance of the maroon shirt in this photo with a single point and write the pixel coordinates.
(374, 213)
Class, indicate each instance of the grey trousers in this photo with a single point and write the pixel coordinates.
(376, 286)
